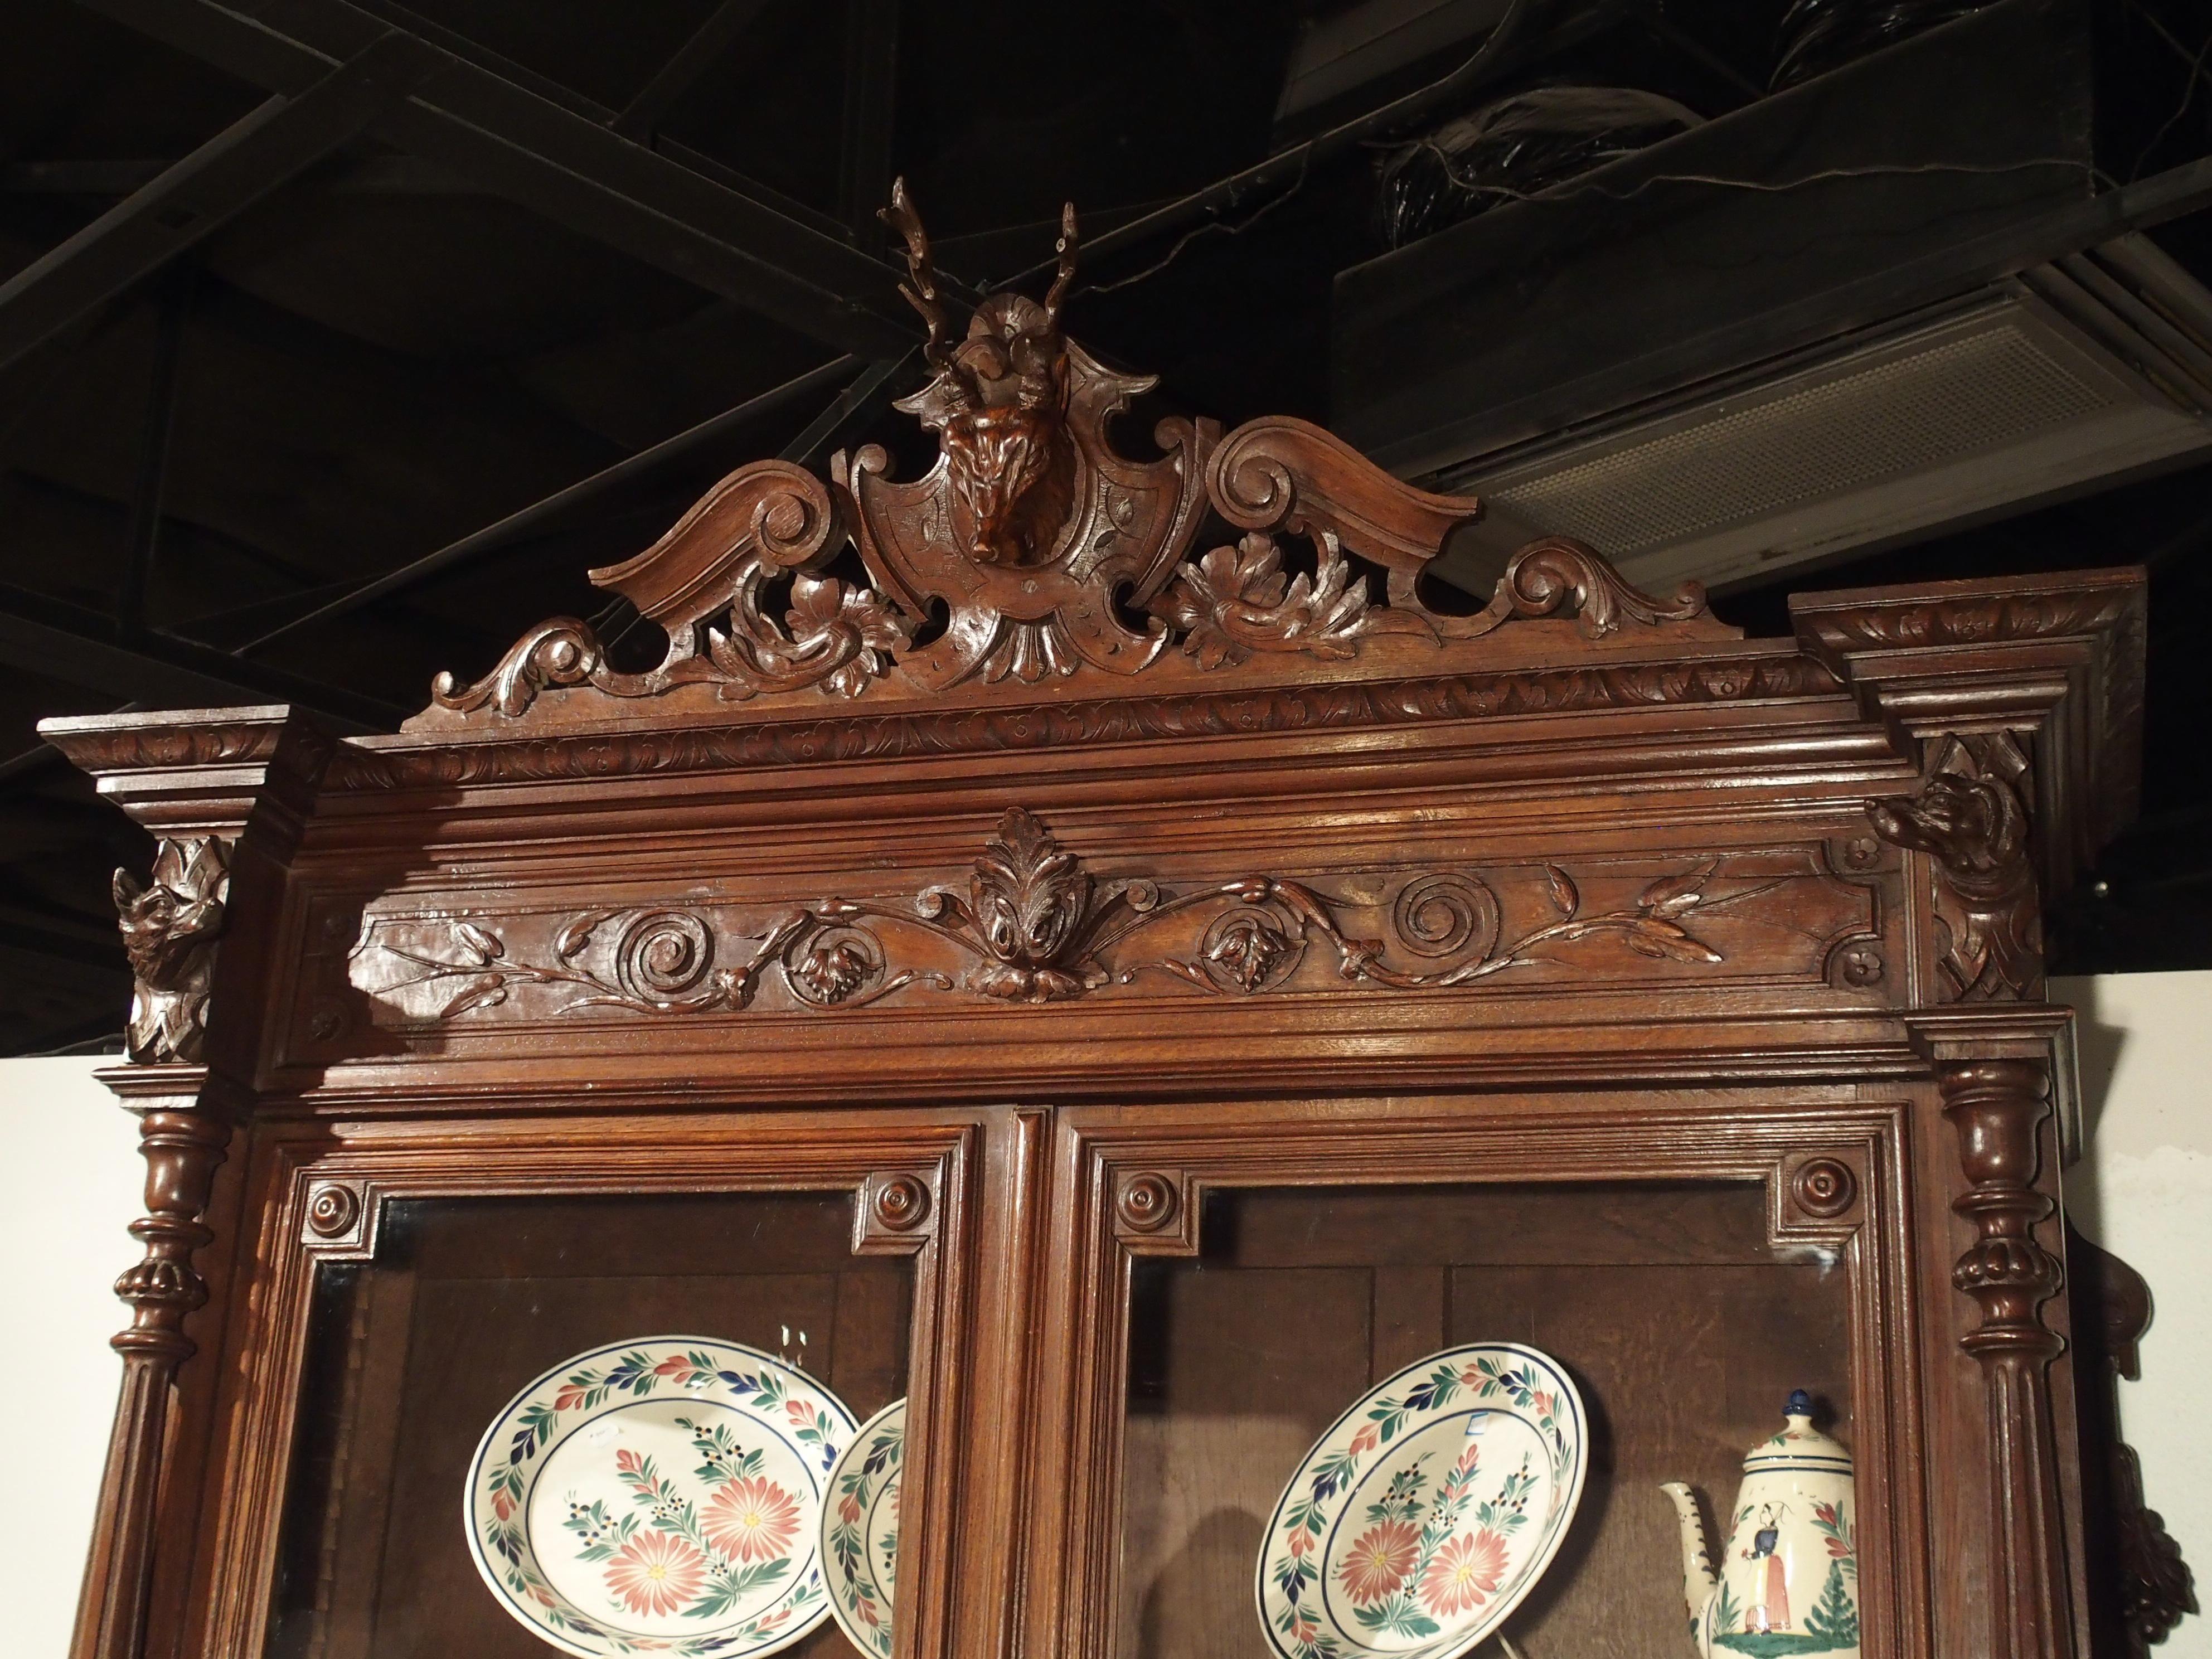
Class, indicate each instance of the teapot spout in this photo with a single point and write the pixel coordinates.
(1698, 1582)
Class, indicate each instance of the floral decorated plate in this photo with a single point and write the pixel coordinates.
(859, 1530)
(1428, 1511)
(662, 1495)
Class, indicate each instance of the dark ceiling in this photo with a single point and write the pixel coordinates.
(424, 271)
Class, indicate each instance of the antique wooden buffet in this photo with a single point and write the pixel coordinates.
(1100, 948)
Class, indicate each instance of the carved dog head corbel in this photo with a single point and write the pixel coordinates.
(1968, 816)
(169, 927)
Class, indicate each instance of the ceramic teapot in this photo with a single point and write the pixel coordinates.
(1788, 1581)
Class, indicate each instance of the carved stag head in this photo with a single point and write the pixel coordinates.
(1030, 899)
(1000, 401)
(169, 925)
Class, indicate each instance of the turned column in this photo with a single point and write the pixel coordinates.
(183, 1140)
(1997, 1107)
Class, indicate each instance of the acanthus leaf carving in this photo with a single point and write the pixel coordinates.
(1970, 816)
(1234, 601)
(170, 928)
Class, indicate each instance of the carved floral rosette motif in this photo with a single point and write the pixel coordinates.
(1033, 923)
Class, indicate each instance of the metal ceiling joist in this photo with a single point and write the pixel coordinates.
(693, 59)
(241, 164)
(558, 163)
(864, 155)
(70, 643)
(505, 531)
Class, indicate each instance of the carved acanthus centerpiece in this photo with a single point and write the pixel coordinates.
(1052, 556)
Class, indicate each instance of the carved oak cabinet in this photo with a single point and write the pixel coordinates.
(1081, 943)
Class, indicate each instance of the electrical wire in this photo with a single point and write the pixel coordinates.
(1227, 192)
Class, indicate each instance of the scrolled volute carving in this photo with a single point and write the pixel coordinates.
(764, 521)
(170, 928)
(1559, 572)
(1970, 816)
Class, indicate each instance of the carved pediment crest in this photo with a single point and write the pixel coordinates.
(1053, 556)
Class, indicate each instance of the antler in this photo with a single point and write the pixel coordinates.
(922, 294)
(1065, 247)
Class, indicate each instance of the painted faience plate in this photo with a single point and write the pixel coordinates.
(859, 1530)
(662, 1495)
(1427, 1512)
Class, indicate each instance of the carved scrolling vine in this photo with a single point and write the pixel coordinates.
(1047, 552)
(1033, 925)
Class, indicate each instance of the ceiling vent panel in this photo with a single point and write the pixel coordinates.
(1985, 409)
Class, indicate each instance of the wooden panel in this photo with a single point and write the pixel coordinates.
(1568, 1222)
(1233, 1374)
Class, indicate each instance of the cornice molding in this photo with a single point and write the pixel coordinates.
(415, 762)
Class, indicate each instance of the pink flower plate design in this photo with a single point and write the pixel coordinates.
(1427, 1513)
(663, 1495)
(859, 1530)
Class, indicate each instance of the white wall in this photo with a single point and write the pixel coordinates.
(2143, 1190)
(70, 1185)
(71, 1182)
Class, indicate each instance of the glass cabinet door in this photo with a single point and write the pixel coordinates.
(1678, 1334)
(702, 1360)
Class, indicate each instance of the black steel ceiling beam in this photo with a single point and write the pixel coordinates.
(237, 167)
(693, 59)
(559, 163)
(159, 428)
(864, 155)
(68, 642)
(505, 530)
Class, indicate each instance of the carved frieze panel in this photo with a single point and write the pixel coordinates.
(1031, 922)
